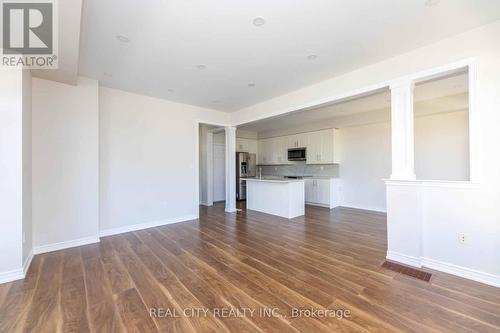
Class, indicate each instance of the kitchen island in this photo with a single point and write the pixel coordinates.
(275, 196)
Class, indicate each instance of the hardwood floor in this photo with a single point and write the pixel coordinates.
(247, 261)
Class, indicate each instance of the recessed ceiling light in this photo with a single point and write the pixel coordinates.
(312, 57)
(251, 84)
(123, 39)
(259, 21)
(202, 67)
(430, 3)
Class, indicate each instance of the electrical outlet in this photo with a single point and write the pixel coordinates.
(461, 238)
(322, 168)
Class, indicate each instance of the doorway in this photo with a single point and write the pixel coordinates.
(219, 171)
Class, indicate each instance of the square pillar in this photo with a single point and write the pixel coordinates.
(230, 169)
(403, 165)
(15, 174)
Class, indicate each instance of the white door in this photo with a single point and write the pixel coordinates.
(219, 164)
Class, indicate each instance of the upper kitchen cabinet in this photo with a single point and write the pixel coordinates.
(246, 145)
(320, 147)
(297, 140)
(273, 151)
(264, 149)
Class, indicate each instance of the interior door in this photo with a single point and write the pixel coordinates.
(219, 155)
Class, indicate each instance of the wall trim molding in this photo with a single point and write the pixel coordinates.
(65, 245)
(17, 274)
(471, 274)
(27, 262)
(9, 276)
(432, 183)
(404, 259)
(146, 225)
(467, 273)
(373, 209)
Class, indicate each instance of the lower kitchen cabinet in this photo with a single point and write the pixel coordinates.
(322, 192)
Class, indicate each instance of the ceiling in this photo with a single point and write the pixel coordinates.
(162, 43)
(440, 95)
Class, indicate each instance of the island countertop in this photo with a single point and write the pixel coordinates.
(277, 196)
(274, 180)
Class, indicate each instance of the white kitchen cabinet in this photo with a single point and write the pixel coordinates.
(320, 147)
(246, 145)
(313, 152)
(322, 192)
(273, 151)
(281, 148)
(263, 157)
(297, 140)
(326, 154)
(309, 191)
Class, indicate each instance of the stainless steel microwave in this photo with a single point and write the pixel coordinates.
(297, 154)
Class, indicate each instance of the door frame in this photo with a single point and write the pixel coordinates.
(196, 194)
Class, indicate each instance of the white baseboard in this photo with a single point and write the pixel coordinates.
(9, 276)
(139, 226)
(65, 245)
(27, 262)
(404, 259)
(17, 274)
(471, 274)
(373, 209)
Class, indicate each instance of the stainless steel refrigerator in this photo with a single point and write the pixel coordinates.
(245, 168)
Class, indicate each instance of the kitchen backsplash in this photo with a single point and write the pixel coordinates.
(300, 169)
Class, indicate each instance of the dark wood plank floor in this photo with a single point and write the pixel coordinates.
(325, 260)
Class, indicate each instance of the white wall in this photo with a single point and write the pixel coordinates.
(220, 138)
(148, 159)
(442, 146)
(65, 161)
(365, 160)
(243, 134)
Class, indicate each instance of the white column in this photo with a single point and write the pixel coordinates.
(403, 167)
(230, 169)
(15, 173)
